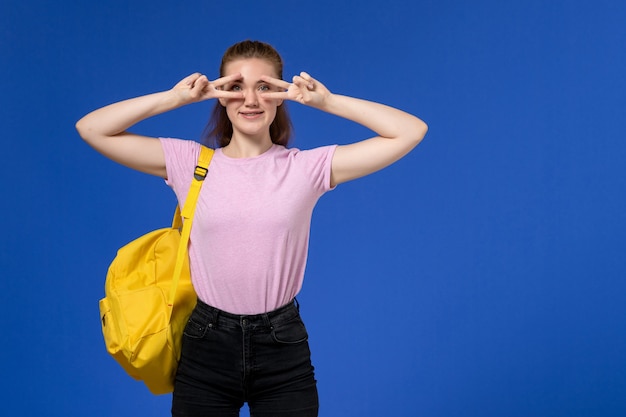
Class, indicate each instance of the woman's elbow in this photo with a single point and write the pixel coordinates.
(86, 131)
(418, 131)
(82, 128)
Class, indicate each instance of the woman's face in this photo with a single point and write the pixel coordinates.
(252, 115)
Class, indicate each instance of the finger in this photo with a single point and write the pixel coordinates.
(275, 82)
(220, 82)
(302, 83)
(282, 95)
(227, 94)
(310, 80)
(202, 80)
(189, 80)
(199, 84)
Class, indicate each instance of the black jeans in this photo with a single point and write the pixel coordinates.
(263, 360)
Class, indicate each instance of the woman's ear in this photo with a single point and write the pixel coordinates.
(222, 101)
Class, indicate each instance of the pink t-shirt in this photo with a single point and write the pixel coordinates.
(250, 234)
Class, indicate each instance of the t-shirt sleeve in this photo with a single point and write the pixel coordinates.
(181, 157)
(317, 164)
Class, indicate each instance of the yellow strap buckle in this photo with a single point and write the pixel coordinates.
(200, 173)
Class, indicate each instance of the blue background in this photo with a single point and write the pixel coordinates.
(482, 275)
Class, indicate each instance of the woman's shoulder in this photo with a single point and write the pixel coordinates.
(176, 143)
(180, 156)
(312, 153)
(180, 148)
(314, 165)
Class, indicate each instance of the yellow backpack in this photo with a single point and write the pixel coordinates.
(149, 296)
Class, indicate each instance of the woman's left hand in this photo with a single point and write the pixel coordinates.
(304, 89)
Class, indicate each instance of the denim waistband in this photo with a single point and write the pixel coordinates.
(223, 318)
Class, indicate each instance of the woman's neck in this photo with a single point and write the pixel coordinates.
(245, 147)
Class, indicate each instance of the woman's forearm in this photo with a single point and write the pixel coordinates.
(387, 122)
(115, 118)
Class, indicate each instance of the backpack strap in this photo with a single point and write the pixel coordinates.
(199, 175)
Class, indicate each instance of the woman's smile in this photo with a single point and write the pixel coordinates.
(251, 114)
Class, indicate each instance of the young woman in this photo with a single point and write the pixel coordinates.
(245, 341)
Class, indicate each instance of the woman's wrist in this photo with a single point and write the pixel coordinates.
(173, 99)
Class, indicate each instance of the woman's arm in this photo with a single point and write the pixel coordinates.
(105, 129)
(398, 132)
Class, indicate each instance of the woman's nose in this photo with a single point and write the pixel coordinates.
(250, 98)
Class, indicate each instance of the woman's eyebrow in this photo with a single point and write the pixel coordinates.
(243, 81)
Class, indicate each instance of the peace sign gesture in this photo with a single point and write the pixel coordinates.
(197, 87)
(304, 89)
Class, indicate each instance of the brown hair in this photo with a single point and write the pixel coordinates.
(219, 130)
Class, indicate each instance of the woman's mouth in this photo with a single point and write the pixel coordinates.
(251, 114)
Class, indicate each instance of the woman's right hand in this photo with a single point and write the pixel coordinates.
(197, 87)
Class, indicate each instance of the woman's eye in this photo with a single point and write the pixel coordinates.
(235, 88)
(264, 87)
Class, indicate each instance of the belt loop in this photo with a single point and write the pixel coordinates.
(266, 320)
(297, 304)
(216, 317)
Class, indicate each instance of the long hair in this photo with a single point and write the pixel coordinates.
(219, 129)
